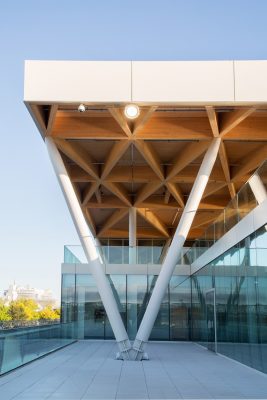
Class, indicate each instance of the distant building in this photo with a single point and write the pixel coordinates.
(43, 297)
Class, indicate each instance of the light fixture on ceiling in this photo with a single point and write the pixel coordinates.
(131, 111)
(81, 108)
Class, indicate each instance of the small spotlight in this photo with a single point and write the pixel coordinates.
(131, 111)
(81, 108)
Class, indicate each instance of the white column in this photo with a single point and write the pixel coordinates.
(258, 188)
(88, 243)
(132, 235)
(173, 254)
(99, 250)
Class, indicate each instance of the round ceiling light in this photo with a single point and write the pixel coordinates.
(131, 111)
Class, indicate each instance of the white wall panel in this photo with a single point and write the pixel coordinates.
(183, 81)
(250, 81)
(77, 81)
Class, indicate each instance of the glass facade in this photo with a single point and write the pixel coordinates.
(239, 280)
(223, 306)
(81, 302)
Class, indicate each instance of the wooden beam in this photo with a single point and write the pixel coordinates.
(230, 120)
(205, 218)
(84, 126)
(51, 119)
(89, 220)
(147, 190)
(118, 115)
(226, 169)
(38, 116)
(213, 187)
(89, 191)
(80, 126)
(98, 195)
(213, 119)
(115, 154)
(250, 162)
(119, 191)
(175, 127)
(144, 233)
(113, 219)
(152, 219)
(145, 115)
(144, 174)
(79, 155)
(150, 157)
(107, 202)
(176, 193)
(167, 196)
(188, 155)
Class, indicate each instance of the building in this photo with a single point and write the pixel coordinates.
(43, 297)
(162, 167)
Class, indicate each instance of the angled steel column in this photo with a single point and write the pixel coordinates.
(88, 243)
(258, 188)
(175, 250)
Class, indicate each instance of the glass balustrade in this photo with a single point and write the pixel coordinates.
(22, 345)
(74, 254)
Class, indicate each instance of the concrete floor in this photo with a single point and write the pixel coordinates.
(87, 370)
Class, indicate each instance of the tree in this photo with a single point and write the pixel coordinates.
(4, 314)
(23, 309)
(48, 313)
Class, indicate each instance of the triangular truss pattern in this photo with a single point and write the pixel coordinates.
(150, 163)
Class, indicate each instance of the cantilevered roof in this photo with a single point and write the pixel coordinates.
(151, 162)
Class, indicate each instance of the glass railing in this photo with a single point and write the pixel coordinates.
(249, 197)
(22, 345)
(74, 254)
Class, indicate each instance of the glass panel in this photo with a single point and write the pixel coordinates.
(246, 201)
(91, 306)
(231, 215)
(136, 302)
(115, 255)
(145, 254)
(161, 327)
(180, 305)
(68, 311)
(118, 285)
(211, 320)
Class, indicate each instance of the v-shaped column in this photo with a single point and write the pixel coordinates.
(175, 250)
(88, 243)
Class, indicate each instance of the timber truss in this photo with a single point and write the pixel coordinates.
(151, 163)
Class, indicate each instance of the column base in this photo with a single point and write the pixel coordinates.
(128, 353)
(125, 350)
(138, 353)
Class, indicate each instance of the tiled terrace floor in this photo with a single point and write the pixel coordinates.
(87, 370)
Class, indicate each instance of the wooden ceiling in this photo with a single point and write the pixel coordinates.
(151, 163)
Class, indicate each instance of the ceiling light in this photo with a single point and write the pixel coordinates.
(131, 111)
(81, 108)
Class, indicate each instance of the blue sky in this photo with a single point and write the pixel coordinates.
(34, 221)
